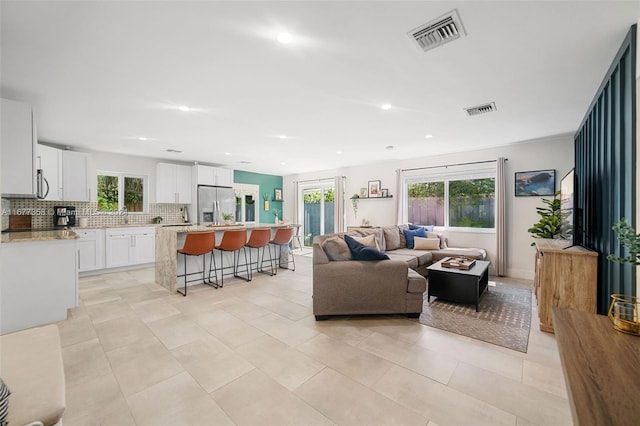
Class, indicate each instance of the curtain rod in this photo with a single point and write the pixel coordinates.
(451, 165)
(317, 180)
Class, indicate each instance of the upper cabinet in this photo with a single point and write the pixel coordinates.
(207, 175)
(75, 176)
(173, 183)
(49, 161)
(18, 150)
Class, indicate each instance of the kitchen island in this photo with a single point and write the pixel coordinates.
(39, 278)
(171, 238)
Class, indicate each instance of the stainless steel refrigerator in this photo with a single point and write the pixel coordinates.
(213, 201)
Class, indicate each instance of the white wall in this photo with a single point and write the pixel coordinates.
(548, 153)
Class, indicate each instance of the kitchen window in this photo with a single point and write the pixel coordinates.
(460, 199)
(122, 192)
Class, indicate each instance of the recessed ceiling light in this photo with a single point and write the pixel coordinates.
(184, 108)
(284, 38)
(142, 138)
(173, 150)
(283, 136)
(385, 106)
(283, 163)
(429, 136)
(338, 152)
(389, 147)
(227, 153)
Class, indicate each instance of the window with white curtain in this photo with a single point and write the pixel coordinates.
(455, 197)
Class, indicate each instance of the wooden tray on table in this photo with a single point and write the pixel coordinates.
(458, 262)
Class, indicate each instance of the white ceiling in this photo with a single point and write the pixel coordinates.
(102, 74)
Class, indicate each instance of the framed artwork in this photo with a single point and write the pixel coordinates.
(364, 193)
(385, 192)
(535, 183)
(277, 194)
(374, 188)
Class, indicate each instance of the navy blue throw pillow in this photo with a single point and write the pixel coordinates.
(409, 234)
(361, 252)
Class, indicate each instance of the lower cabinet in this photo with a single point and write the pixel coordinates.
(129, 246)
(90, 249)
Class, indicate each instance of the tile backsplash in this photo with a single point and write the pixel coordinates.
(42, 213)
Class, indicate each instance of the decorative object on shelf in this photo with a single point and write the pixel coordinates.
(228, 218)
(549, 225)
(385, 192)
(157, 219)
(276, 213)
(354, 202)
(374, 188)
(535, 183)
(365, 223)
(364, 193)
(266, 197)
(277, 194)
(624, 311)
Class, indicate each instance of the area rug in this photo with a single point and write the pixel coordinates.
(504, 317)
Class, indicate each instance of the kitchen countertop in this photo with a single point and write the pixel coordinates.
(21, 237)
(199, 228)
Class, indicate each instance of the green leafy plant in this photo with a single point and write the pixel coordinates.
(354, 202)
(227, 216)
(276, 213)
(549, 224)
(629, 239)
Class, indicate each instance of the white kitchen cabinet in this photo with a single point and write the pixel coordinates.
(49, 160)
(129, 246)
(207, 175)
(173, 183)
(90, 249)
(75, 176)
(18, 149)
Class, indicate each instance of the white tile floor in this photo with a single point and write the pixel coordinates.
(253, 354)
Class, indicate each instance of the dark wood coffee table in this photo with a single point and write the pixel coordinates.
(458, 285)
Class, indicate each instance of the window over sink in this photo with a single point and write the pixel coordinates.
(122, 192)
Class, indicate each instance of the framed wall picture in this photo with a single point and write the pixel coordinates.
(277, 194)
(374, 189)
(535, 183)
(385, 192)
(364, 193)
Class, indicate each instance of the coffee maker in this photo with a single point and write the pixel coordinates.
(64, 216)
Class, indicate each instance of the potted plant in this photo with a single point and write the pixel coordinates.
(228, 218)
(624, 309)
(354, 202)
(549, 224)
(276, 213)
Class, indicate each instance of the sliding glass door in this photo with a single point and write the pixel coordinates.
(317, 208)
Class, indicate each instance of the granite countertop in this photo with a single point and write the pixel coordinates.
(199, 228)
(21, 237)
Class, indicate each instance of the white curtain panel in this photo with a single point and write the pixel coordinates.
(339, 210)
(296, 203)
(501, 235)
(400, 197)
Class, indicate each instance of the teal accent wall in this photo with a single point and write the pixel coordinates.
(268, 183)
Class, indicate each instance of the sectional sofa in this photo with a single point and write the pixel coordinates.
(342, 286)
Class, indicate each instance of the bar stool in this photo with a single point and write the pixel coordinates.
(198, 244)
(232, 241)
(283, 238)
(259, 239)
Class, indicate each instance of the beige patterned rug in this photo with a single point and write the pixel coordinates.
(504, 317)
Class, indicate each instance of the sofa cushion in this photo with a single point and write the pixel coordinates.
(424, 257)
(369, 241)
(391, 237)
(376, 232)
(336, 248)
(417, 283)
(362, 252)
(428, 228)
(403, 239)
(410, 233)
(420, 243)
(443, 240)
(410, 259)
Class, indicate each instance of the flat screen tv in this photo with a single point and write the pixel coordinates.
(567, 206)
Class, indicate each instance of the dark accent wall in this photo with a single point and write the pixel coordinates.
(605, 149)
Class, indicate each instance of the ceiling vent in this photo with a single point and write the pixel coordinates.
(444, 29)
(481, 109)
(173, 150)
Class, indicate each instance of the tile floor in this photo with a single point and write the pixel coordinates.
(252, 354)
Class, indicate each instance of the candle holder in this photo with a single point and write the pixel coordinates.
(624, 313)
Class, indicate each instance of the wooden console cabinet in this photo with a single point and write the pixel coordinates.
(565, 277)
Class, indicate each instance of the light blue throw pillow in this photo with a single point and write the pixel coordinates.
(409, 234)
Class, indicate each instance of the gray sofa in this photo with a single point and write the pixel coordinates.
(395, 286)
